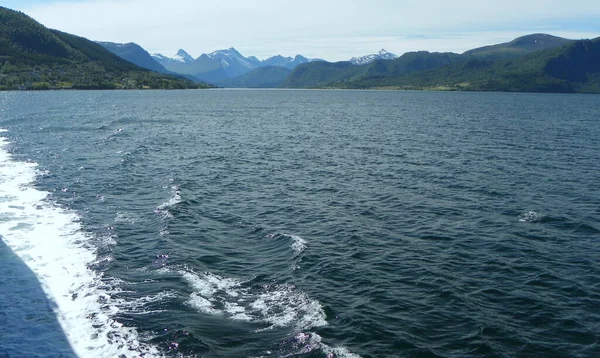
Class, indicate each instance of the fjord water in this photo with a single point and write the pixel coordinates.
(241, 223)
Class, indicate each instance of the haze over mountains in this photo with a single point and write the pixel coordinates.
(222, 65)
(501, 67)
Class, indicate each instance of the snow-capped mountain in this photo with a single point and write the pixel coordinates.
(180, 57)
(231, 57)
(381, 55)
(183, 56)
(222, 64)
(233, 62)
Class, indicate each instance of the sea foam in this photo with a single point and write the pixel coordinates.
(275, 305)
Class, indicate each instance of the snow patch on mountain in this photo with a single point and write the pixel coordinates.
(231, 55)
(181, 57)
(381, 55)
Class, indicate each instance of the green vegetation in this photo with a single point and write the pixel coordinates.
(262, 77)
(345, 74)
(321, 74)
(518, 47)
(33, 57)
(570, 68)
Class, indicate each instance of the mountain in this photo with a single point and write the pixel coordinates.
(34, 57)
(222, 65)
(571, 68)
(532, 63)
(326, 74)
(381, 55)
(287, 62)
(135, 54)
(233, 62)
(321, 74)
(182, 56)
(183, 63)
(518, 47)
(203, 68)
(261, 77)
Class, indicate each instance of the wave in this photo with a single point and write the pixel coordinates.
(51, 242)
(275, 305)
(174, 200)
(305, 343)
(298, 245)
(532, 217)
(314, 340)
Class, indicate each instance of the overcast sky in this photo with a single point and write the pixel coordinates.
(328, 29)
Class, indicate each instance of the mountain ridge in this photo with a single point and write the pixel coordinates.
(570, 68)
(224, 64)
(520, 46)
(135, 54)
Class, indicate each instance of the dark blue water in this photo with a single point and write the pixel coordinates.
(306, 223)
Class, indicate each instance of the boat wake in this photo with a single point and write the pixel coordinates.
(52, 243)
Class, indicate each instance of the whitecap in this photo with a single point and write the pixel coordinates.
(298, 244)
(124, 217)
(276, 305)
(307, 342)
(531, 216)
(174, 200)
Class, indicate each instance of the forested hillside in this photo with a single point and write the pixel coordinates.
(34, 57)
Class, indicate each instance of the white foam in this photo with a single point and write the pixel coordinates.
(307, 342)
(143, 305)
(174, 200)
(299, 244)
(316, 341)
(276, 305)
(127, 218)
(51, 242)
(531, 216)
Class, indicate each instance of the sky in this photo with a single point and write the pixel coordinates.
(333, 30)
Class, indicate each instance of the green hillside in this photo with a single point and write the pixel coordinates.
(339, 74)
(262, 77)
(518, 47)
(321, 74)
(34, 57)
(574, 67)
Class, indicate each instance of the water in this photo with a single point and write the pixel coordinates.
(299, 224)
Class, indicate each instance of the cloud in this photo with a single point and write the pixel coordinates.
(328, 29)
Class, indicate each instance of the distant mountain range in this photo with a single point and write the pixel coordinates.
(222, 65)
